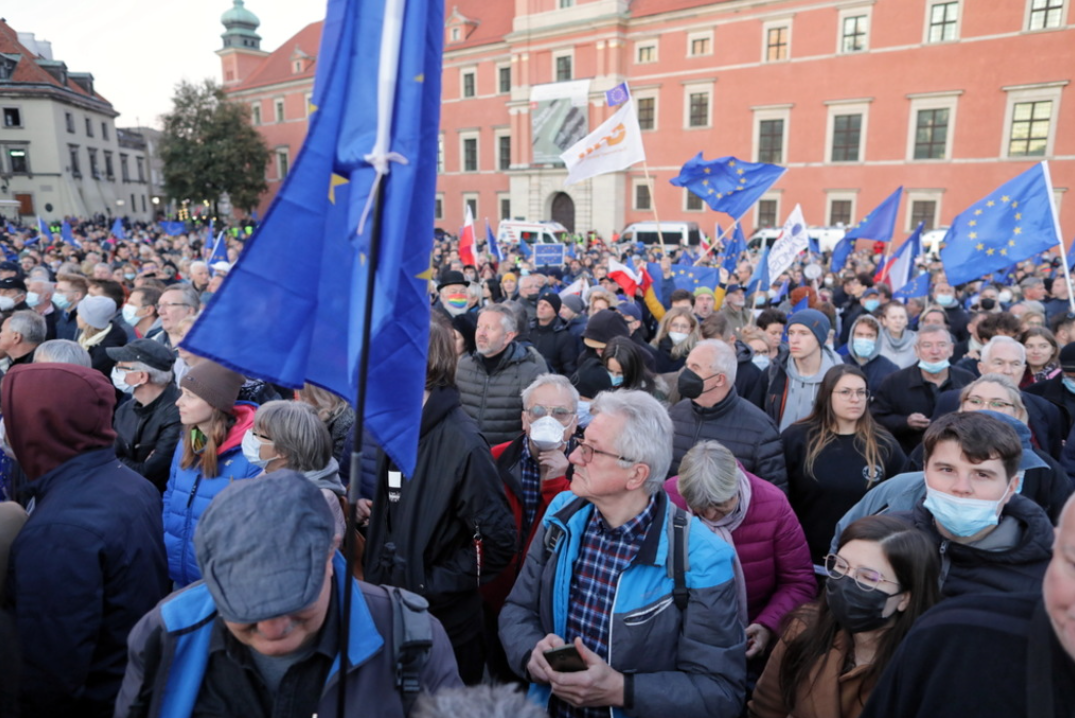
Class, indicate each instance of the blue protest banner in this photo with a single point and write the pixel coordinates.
(548, 254)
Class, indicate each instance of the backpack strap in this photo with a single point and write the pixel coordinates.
(678, 549)
(412, 643)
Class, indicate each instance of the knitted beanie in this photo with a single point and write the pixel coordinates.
(217, 385)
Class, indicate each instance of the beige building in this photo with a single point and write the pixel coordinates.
(60, 151)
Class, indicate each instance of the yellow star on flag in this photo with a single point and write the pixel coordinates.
(1017, 230)
(973, 223)
(740, 171)
(731, 163)
(707, 170)
(990, 251)
(980, 246)
(1011, 242)
(427, 275)
(1018, 215)
(719, 195)
(977, 211)
(1004, 252)
(974, 235)
(1014, 205)
(1005, 198)
(705, 183)
(990, 203)
(335, 182)
(711, 192)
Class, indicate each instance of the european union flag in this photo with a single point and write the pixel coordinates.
(490, 239)
(879, 224)
(43, 228)
(802, 304)
(733, 251)
(117, 229)
(524, 249)
(728, 184)
(840, 253)
(686, 276)
(917, 287)
(293, 308)
(1013, 222)
(11, 229)
(68, 236)
(219, 253)
(174, 229)
(759, 281)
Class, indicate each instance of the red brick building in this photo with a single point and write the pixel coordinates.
(946, 97)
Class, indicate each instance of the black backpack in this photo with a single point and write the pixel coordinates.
(412, 642)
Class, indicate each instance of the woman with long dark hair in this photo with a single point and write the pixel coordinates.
(626, 368)
(835, 455)
(883, 576)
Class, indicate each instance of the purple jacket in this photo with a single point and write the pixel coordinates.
(772, 549)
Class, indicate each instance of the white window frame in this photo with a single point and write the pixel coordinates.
(1017, 94)
(923, 195)
(440, 153)
(497, 134)
(556, 55)
(281, 115)
(929, 13)
(643, 44)
(1061, 26)
(467, 196)
(654, 95)
(847, 107)
(757, 208)
(841, 195)
(856, 11)
(637, 182)
(695, 88)
(285, 153)
(455, 34)
(22, 117)
(500, 197)
(932, 101)
(771, 112)
(772, 25)
(463, 72)
(702, 35)
(463, 137)
(255, 114)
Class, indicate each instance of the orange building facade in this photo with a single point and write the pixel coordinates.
(948, 98)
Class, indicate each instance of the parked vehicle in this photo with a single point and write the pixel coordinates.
(510, 232)
(675, 233)
(826, 237)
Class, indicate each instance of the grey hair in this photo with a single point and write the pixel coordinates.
(1030, 282)
(987, 350)
(62, 351)
(30, 325)
(297, 432)
(646, 435)
(724, 361)
(105, 265)
(507, 316)
(156, 376)
(190, 296)
(43, 285)
(481, 701)
(708, 475)
(1014, 395)
(1033, 305)
(933, 329)
(200, 264)
(559, 381)
(39, 273)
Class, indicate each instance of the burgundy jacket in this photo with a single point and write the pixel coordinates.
(772, 549)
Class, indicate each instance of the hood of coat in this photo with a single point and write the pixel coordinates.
(872, 321)
(55, 412)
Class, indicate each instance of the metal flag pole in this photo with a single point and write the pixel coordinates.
(1059, 236)
(714, 242)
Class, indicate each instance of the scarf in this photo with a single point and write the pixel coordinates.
(724, 528)
(88, 342)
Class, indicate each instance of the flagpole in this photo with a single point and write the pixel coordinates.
(653, 205)
(714, 242)
(1059, 236)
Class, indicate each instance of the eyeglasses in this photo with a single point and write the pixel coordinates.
(866, 578)
(857, 393)
(561, 413)
(588, 452)
(162, 305)
(978, 402)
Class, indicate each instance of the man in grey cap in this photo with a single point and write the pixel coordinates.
(148, 426)
(262, 629)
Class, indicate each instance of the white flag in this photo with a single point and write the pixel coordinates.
(579, 286)
(615, 145)
(792, 240)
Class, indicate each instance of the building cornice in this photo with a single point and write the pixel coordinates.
(51, 92)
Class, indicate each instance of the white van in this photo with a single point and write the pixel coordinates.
(675, 233)
(510, 232)
(827, 237)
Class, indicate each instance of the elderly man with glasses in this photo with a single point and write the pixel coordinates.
(640, 595)
(175, 304)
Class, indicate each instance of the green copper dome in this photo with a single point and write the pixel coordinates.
(239, 15)
(241, 25)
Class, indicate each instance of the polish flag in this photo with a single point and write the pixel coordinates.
(624, 276)
(466, 241)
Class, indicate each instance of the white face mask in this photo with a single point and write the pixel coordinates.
(252, 450)
(130, 314)
(119, 380)
(547, 433)
(678, 337)
(6, 304)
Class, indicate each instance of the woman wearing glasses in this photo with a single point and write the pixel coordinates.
(835, 455)
(883, 576)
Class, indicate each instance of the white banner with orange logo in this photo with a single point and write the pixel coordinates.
(613, 146)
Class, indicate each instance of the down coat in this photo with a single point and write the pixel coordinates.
(495, 400)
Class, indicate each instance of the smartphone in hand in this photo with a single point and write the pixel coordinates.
(565, 659)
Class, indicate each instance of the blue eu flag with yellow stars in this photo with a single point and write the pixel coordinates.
(293, 309)
(728, 184)
(1013, 222)
(687, 277)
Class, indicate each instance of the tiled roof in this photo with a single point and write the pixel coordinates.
(28, 71)
(276, 67)
(494, 21)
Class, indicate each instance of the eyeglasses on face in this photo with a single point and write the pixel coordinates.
(561, 413)
(163, 305)
(589, 451)
(848, 393)
(978, 402)
(836, 568)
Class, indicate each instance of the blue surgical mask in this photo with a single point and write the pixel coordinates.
(871, 305)
(61, 301)
(761, 361)
(962, 517)
(933, 367)
(129, 276)
(251, 447)
(864, 347)
(946, 300)
(1069, 384)
(760, 300)
(616, 379)
(33, 299)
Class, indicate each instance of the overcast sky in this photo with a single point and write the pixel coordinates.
(138, 50)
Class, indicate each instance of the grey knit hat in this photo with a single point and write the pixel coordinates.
(97, 311)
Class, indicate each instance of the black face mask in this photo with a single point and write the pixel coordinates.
(691, 385)
(988, 303)
(854, 608)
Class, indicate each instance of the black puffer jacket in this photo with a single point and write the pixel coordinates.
(495, 400)
(743, 428)
(421, 536)
(555, 343)
(146, 436)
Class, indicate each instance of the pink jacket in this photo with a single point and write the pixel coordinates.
(772, 549)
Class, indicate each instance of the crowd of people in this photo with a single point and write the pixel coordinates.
(806, 499)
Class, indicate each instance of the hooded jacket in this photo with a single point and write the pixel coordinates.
(786, 398)
(89, 562)
(422, 533)
(874, 366)
(495, 400)
(555, 343)
(188, 495)
(899, 351)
